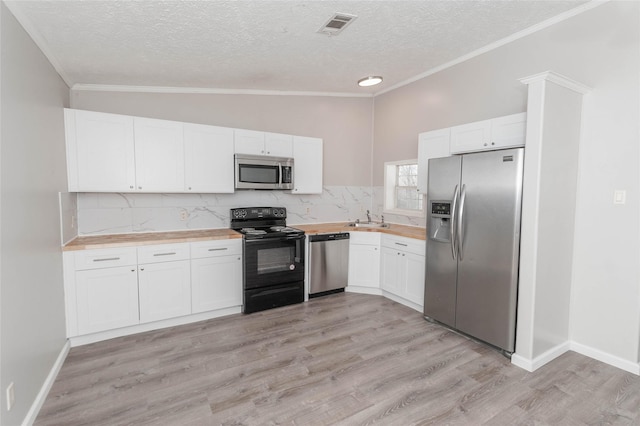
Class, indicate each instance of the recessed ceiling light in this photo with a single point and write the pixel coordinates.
(372, 80)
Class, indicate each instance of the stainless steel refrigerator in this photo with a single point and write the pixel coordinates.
(473, 244)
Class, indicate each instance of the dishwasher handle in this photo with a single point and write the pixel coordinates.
(328, 237)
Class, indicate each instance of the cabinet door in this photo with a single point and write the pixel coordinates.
(390, 270)
(216, 283)
(509, 131)
(471, 137)
(307, 168)
(364, 266)
(106, 298)
(208, 158)
(414, 266)
(430, 145)
(278, 145)
(159, 152)
(100, 152)
(165, 290)
(248, 142)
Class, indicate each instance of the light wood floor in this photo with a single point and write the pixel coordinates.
(346, 359)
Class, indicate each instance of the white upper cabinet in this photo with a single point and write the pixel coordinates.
(509, 131)
(433, 144)
(307, 166)
(278, 145)
(159, 151)
(100, 152)
(120, 153)
(208, 156)
(502, 132)
(261, 143)
(248, 142)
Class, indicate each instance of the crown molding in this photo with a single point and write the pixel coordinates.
(209, 91)
(513, 37)
(558, 79)
(38, 39)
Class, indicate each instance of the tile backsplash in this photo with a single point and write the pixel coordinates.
(114, 213)
(117, 213)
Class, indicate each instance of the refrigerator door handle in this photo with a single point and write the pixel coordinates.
(460, 221)
(452, 228)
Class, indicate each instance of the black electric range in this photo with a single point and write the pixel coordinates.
(273, 258)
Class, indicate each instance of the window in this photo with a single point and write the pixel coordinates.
(400, 188)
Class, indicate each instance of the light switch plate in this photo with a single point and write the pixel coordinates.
(619, 196)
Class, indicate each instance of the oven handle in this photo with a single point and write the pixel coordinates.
(263, 240)
(299, 256)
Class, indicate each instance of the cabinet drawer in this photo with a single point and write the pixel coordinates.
(216, 248)
(104, 258)
(410, 245)
(372, 238)
(163, 253)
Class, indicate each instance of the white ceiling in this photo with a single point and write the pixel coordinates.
(268, 45)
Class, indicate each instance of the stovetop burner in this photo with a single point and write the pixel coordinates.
(253, 231)
(262, 222)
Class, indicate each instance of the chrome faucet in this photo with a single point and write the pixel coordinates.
(368, 217)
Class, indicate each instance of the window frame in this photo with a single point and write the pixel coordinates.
(390, 186)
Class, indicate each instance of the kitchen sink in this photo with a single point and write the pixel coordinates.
(369, 225)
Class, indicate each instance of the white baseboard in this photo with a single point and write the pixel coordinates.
(403, 301)
(540, 360)
(607, 358)
(156, 325)
(363, 290)
(553, 353)
(30, 418)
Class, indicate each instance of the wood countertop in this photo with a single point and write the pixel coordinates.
(140, 239)
(393, 229)
(147, 238)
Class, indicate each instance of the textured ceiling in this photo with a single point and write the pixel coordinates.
(267, 45)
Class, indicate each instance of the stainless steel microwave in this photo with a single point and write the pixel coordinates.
(263, 172)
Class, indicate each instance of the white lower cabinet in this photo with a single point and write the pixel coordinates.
(106, 298)
(403, 267)
(165, 290)
(108, 289)
(216, 275)
(364, 260)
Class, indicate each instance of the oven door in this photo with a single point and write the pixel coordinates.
(273, 261)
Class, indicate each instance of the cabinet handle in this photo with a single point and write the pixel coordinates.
(133, 270)
(189, 188)
(139, 187)
(106, 259)
(493, 143)
(401, 244)
(218, 249)
(142, 269)
(165, 254)
(130, 186)
(486, 144)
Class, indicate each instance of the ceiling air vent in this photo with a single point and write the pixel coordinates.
(337, 23)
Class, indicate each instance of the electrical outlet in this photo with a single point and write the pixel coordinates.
(184, 215)
(308, 210)
(11, 396)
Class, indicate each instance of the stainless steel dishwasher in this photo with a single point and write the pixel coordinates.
(328, 263)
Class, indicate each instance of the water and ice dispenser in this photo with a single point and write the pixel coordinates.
(440, 221)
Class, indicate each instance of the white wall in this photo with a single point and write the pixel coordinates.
(599, 48)
(32, 172)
